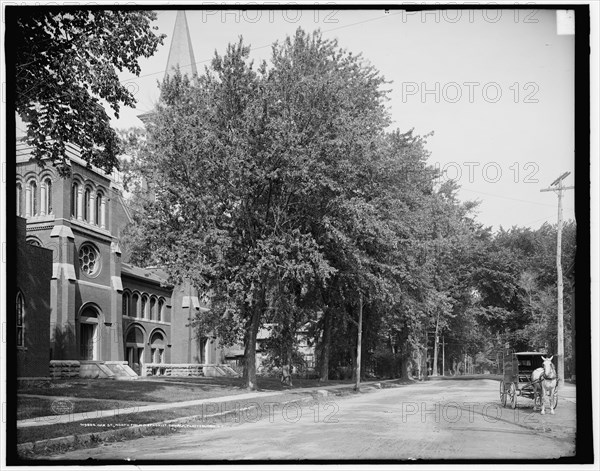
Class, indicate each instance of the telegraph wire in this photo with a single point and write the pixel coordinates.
(203, 61)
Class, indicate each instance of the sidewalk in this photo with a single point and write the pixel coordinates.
(71, 417)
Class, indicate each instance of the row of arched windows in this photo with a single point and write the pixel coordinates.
(143, 306)
(88, 205)
(34, 199)
(135, 342)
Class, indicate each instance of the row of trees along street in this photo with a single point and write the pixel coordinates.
(281, 192)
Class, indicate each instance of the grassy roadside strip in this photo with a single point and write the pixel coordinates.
(45, 440)
(32, 407)
(54, 397)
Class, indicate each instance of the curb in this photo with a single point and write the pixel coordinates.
(170, 426)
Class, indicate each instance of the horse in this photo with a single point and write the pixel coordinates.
(545, 381)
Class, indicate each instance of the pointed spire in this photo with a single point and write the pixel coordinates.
(181, 53)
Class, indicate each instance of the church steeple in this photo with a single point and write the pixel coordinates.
(181, 53)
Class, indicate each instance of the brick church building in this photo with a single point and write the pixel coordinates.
(81, 308)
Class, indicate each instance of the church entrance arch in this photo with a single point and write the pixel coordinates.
(157, 352)
(134, 348)
(88, 333)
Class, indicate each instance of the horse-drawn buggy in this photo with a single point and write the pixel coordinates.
(531, 375)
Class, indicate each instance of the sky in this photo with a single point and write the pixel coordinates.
(496, 87)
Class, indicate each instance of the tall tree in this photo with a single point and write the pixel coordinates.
(66, 63)
(247, 165)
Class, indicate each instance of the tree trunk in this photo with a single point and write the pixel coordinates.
(359, 345)
(325, 347)
(404, 373)
(289, 348)
(419, 363)
(250, 349)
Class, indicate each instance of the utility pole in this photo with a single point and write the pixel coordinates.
(558, 188)
(359, 343)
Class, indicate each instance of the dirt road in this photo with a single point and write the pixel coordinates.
(433, 420)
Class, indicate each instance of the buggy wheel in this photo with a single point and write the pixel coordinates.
(555, 402)
(512, 394)
(502, 393)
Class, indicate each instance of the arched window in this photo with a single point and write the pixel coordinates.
(144, 306)
(126, 301)
(98, 208)
(89, 334)
(86, 205)
(157, 347)
(48, 187)
(33, 198)
(161, 305)
(20, 320)
(135, 335)
(74, 194)
(33, 241)
(19, 199)
(153, 308)
(134, 349)
(135, 305)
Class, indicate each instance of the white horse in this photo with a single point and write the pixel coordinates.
(545, 381)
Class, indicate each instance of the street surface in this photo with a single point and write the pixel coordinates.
(449, 419)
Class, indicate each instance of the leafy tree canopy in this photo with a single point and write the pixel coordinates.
(66, 69)
(279, 191)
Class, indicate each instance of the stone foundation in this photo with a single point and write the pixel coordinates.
(64, 369)
(67, 369)
(180, 369)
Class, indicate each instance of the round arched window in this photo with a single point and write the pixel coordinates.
(89, 259)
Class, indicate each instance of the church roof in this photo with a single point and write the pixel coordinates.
(143, 274)
(24, 153)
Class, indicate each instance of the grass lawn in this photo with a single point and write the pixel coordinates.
(88, 395)
(161, 389)
(31, 407)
